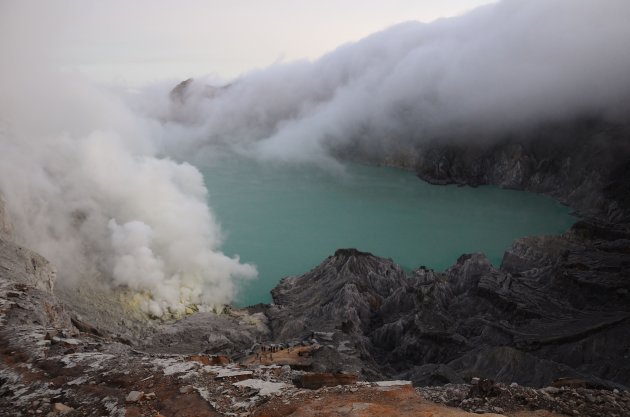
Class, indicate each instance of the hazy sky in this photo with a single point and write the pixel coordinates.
(132, 42)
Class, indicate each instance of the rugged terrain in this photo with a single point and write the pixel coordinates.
(558, 307)
(555, 316)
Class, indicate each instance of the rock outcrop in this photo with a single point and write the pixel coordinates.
(26, 266)
(557, 307)
(584, 164)
(19, 264)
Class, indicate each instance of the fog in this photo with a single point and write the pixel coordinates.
(497, 69)
(96, 179)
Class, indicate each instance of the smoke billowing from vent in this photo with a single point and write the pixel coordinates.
(87, 184)
(83, 185)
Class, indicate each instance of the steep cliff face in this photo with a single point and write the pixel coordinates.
(583, 164)
(557, 307)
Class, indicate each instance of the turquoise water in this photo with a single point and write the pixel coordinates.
(286, 220)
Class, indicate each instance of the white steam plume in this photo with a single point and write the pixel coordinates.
(84, 186)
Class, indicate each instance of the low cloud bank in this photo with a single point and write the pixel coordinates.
(495, 70)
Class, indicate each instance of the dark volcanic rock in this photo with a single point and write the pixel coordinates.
(584, 164)
(341, 296)
(508, 399)
(557, 307)
(356, 285)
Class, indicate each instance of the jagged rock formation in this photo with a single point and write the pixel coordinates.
(557, 307)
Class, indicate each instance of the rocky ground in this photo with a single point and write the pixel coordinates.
(340, 351)
(50, 371)
(565, 397)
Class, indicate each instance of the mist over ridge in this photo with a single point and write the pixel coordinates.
(93, 181)
(497, 69)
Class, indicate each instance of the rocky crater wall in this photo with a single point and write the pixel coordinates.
(584, 164)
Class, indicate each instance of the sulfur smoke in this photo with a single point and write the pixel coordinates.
(84, 185)
(95, 179)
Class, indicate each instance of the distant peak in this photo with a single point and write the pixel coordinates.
(351, 252)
